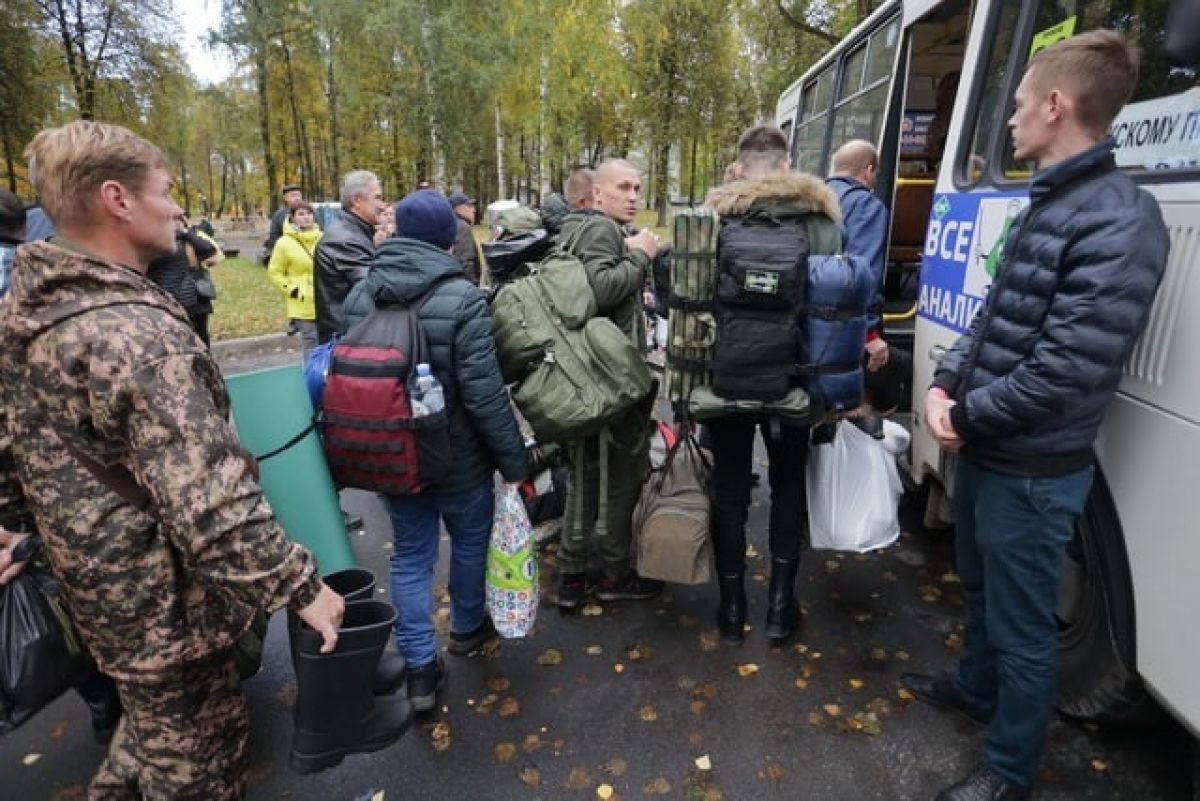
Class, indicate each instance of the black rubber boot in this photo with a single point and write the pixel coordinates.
(731, 614)
(357, 584)
(336, 711)
(99, 692)
(783, 613)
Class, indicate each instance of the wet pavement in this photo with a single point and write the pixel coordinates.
(641, 698)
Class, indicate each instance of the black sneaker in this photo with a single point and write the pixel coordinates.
(424, 683)
(940, 691)
(572, 590)
(464, 644)
(630, 587)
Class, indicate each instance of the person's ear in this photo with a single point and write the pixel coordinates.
(115, 200)
(1057, 104)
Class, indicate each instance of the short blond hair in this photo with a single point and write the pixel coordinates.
(68, 164)
(1098, 69)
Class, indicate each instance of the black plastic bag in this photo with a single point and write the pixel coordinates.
(40, 654)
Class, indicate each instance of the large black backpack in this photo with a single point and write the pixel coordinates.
(762, 260)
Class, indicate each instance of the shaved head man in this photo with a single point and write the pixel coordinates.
(579, 188)
(617, 266)
(857, 159)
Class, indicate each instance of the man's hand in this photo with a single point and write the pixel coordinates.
(646, 241)
(9, 569)
(937, 415)
(877, 353)
(325, 616)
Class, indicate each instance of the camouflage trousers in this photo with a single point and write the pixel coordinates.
(628, 460)
(178, 739)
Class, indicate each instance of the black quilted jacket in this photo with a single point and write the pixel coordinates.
(1039, 364)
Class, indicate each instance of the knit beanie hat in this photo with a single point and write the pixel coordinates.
(427, 216)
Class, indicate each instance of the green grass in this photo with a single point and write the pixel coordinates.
(247, 304)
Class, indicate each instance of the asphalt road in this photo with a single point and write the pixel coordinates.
(644, 693)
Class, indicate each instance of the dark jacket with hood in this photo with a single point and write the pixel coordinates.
(125, 381)
(175, 273)
(458, 327)
(1040, 362)
(342, 259)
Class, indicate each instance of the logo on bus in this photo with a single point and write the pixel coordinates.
(964, 246)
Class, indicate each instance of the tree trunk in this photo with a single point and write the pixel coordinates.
(10, 162)
(335, 130)
(662, 188)
(264, 123)
(692, 176)
(501, 189)
(303, 151)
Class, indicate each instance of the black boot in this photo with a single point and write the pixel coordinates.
(357, 584)
(731, 614)
(336, 711)
(783, 613)
(99, 692)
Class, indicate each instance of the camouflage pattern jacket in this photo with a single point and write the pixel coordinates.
(127, 382)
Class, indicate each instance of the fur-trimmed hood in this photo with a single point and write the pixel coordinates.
(798, 190)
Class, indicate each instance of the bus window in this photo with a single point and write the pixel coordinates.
(881, 55)
(809, 139)
(861, 105)
(1158, 131)
(991, 97)
(852, 72)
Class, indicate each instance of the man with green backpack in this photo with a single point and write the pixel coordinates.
(616, 268)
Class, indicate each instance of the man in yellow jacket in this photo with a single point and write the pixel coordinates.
(291, 270)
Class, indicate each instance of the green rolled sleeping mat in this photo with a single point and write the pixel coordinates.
(274, 419)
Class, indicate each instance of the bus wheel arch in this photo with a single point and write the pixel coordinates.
(1097, 637)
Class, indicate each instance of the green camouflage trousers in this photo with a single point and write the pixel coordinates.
(628, 465)
(183, 739)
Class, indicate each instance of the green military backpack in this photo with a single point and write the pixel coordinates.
(576, 370)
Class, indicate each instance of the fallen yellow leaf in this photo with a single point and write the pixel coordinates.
(774, 772)
(594, 650)
(748, 669)
(618, 668)
(800, 683)
(1099, 765)
(709, 641)
(659, 786)
(832, 566)
(498, 684)
(509, 706)
(604, 792)
(855, 684)
(31, 758)
(902, 656)
(833, 710)
(592, 610)
(378, 796)
(703, 762)
(697, 707)
(879, 655)
(531, 776)
(615, 767)
(440, 735)
(648, 714)
(639, 652)
(550, 657)
(505, 751)
(532, 742)
(579, 778)
(904, 695)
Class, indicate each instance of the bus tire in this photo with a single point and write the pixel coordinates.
(1098, 679)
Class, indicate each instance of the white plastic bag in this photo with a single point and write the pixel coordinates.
(853, 492)
(511, 587)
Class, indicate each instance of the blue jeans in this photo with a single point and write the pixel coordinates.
(1012, 532)
(415, 530)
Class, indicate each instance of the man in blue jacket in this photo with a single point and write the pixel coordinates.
(483, 434)
(1022, 394)
(865, 220)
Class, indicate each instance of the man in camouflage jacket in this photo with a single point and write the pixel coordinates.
(97, 363)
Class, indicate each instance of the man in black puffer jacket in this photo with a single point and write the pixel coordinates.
(1023, 392)
(483, 434)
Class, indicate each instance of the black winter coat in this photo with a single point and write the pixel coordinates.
(342, 259)
(458, 328)
(1040, 362)
(174, 273)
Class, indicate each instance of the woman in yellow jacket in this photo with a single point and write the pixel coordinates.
(291, 270)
